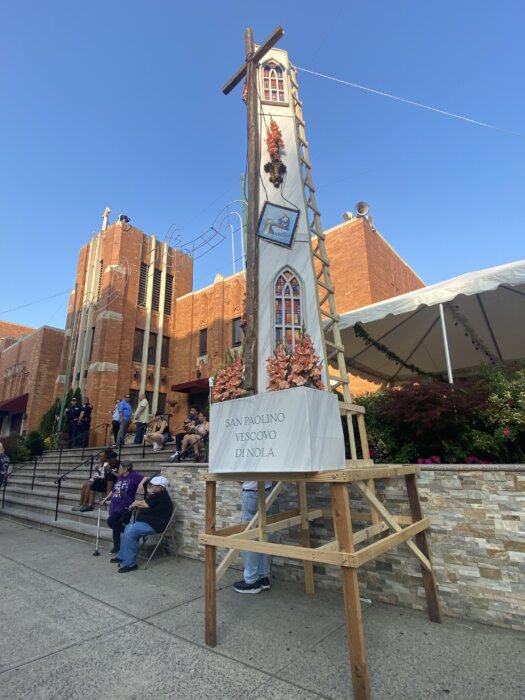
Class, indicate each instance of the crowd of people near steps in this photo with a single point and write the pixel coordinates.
(153, 432)
(140, 506)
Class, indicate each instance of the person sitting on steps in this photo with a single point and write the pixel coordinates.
(194, 438)
(157, 432)
(102, 480)
(190, 422)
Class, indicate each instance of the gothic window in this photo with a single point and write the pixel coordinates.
(273, 83)
(288, 310)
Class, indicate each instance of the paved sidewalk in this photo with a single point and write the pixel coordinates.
(71, 627)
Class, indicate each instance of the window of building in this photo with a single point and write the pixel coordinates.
(152, 348)
(137, 345)
(134, 399)
(203, 342)
(155, 300)
(288, 311)
(169, 295)
(143, 284)
(236, 332)
(156, 290)
(273, 83)
(91, 343)
(161, 405)
(165, 355)
(100, 266)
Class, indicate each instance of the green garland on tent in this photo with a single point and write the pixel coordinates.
(362, 333)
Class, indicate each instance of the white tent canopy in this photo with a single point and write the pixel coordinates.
(482, 314)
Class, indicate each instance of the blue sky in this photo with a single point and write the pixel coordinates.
(119, 104)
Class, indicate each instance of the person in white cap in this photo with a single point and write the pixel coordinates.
(153, 514)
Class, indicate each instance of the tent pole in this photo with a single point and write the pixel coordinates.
(445, 344)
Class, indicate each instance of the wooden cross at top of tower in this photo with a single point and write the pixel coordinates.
(249, 69)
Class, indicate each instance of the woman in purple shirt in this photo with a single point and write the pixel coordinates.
(121, 497)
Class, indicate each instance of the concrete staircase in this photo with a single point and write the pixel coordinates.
(36, 506)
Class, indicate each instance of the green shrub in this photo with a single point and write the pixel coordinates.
(47, 422)
(15, 449)
(480, 419)
(35, 443)
(50, 442)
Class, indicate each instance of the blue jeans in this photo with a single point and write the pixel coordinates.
(256, 565)
(140, 431)
(123, 429)
(129, 543)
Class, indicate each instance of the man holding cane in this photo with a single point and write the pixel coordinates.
(153, 514)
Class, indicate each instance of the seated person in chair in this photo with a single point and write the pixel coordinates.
(194, 438)
(153, 514)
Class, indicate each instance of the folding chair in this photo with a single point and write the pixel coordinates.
(160, 536)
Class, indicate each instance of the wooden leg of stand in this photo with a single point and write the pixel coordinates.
(429, 582)
(305, 537)
(354, 620)
(210, 557)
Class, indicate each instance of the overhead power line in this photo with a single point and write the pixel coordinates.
(32, 303)
(411, 102)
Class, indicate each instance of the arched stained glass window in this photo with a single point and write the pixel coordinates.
(288, 311)
(273, 83)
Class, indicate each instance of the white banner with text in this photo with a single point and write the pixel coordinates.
(294, 430)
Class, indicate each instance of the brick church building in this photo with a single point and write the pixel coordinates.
(139, 327)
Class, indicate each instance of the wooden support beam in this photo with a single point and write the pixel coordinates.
(280, 550)
(210, 594)
(344, 406)
(287, 515)
(379, 507)
(353, 472)
(305, 535)
(372, 551)
(367, 532)
(429, 582)
(359, 536)
(353, 615)
(274, 523)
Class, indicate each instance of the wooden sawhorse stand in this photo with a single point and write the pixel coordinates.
(343, 551)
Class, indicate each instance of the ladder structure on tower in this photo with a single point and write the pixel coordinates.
(334, 351)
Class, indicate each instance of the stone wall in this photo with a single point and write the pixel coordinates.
(477, 539)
